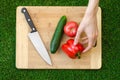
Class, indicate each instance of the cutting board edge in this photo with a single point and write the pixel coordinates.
(18, 67)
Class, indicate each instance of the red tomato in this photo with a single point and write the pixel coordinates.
(70, 29)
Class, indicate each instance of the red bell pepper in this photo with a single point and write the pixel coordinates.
(72, 50)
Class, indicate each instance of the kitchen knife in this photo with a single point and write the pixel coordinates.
(35, 38)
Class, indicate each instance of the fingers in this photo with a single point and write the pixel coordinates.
(76, 40)
(84, 40)
(95, 43)
(95, 39)
(90, 42)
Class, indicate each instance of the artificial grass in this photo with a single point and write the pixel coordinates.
(110, 43)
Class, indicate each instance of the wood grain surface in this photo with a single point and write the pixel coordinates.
(45, 19)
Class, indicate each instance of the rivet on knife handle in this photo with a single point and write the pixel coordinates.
(29, 20)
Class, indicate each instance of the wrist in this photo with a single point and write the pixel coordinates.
(92, 8)
(89, 15)
(91, 12)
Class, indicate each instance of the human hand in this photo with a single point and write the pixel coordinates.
(89, 26)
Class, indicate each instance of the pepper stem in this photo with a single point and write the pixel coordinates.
(78, 55)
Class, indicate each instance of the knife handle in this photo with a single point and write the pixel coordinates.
(29, 20)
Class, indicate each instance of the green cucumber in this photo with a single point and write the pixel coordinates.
(56, 39)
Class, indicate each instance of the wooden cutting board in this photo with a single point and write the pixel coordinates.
(45, 19)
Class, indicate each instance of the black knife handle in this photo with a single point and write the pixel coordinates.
(29, 20)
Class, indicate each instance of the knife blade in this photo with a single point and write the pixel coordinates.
(36, 39)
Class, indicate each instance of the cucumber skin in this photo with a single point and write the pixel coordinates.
(57, 36)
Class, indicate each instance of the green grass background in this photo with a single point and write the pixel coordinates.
(110, 43)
